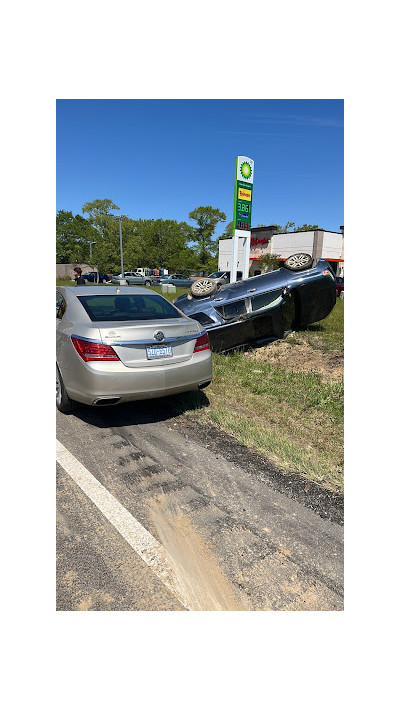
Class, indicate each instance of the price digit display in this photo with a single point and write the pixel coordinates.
(243, 206)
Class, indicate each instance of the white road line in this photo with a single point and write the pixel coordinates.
(142, 542)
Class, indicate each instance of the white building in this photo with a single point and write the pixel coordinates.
(264, 240)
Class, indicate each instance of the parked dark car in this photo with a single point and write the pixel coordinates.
(94, 276)
(175, 279)
(263, 307)
(339, 286)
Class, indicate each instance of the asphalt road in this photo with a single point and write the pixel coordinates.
(149, 519)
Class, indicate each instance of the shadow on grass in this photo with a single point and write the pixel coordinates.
(143, 411)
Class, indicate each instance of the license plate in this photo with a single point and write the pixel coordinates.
(158, 352)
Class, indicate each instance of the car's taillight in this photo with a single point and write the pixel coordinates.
(93, 351)
(202, 343)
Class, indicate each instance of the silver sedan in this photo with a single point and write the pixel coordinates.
(116, 344)
(131, 278)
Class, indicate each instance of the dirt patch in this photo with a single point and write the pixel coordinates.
(297, 355)
(204, 585)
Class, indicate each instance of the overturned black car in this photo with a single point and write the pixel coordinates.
(263, 307)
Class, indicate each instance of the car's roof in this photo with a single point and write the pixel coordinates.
(112, 290)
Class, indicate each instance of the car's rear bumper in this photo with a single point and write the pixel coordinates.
(90, 382)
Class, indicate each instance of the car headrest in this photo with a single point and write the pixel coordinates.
(122, 303)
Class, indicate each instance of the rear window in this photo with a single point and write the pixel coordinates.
(128, 307)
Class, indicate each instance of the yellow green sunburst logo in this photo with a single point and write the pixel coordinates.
(245, 170)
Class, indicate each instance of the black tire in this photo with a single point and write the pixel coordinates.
(203, 287)
(147, 283)
(63, 401)
(298, 262)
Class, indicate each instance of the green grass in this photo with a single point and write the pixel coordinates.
(293, 418)
(329, 333)
(64, 282)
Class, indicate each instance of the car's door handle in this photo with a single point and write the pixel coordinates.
(249, 290)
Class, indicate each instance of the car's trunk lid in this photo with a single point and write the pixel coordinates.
(137, 346)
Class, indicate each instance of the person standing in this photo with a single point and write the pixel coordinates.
(78, 276)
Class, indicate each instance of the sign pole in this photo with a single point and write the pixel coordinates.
(120, 246)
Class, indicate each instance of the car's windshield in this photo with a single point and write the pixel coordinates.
(215, 275)
(128, 307)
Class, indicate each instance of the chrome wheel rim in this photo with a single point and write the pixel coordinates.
(202, 286)
(298, 260)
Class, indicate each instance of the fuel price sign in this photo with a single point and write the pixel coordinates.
(243, 193)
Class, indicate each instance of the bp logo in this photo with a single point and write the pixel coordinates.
(245, 170)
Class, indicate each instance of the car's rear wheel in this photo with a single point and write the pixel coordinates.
(147, 282)
(203, 287)
(63, 401)
(298, 262)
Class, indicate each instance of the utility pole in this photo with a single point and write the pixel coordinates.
(120, 245)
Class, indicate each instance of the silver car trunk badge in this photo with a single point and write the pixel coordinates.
(158, 335)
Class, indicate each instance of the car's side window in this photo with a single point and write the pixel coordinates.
(60, 305)
(263, 301)
(236, 308)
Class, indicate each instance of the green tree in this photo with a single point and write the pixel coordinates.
(290, 227)
(205, 247)
(228, 232)
(73, 234)
(106, 251)
(163, 243)
(287, 228)
(99, 213)
(306, 228)
(269, 262)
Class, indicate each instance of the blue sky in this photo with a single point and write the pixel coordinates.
(163, 158)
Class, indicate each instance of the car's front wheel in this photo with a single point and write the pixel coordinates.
(147, 282)
(203, 287)
(298, 262)
(63, 401)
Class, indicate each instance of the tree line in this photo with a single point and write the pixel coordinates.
(168, 244)
(154, 243)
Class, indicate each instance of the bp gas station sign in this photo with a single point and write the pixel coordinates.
(243, 193)
(244, 177)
